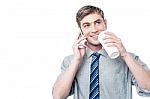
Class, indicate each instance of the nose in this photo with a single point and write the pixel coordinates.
(93, 29)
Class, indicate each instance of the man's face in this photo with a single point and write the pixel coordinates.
(91, 26)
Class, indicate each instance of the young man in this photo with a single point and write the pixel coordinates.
(115, 76)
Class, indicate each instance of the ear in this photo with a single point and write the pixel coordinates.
(105, 22)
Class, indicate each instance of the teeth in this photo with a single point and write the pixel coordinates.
(95, 36)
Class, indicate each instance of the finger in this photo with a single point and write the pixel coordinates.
(113, 42)
(80, 40)
(81, 46)
(112, 38)
(110, 34)
(78, 36)
(108, 41)
(117, 43)
(110, 44)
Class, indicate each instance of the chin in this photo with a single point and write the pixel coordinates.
(95, 43)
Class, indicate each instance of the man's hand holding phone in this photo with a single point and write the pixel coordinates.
(83, 42)
(79, 46)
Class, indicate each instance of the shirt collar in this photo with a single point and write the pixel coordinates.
(89, 52)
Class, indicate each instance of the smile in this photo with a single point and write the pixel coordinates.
(94, 36)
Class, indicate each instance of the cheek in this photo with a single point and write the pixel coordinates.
(86, 30)
(87, 35)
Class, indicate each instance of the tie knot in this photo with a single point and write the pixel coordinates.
(96, 54)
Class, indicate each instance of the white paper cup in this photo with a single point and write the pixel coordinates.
(112, 51)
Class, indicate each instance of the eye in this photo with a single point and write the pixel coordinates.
(98, 22)
(86, 25)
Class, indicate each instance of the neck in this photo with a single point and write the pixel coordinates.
(95, 47)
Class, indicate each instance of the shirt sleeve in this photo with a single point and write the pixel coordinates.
(64, 66)
(140, 91)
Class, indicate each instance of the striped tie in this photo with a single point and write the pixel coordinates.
(94, 77)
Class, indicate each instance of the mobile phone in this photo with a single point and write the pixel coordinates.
(83, 42)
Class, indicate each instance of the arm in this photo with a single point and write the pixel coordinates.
(64, 82)
(141, 75)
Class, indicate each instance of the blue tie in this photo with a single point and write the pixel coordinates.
(94, 77)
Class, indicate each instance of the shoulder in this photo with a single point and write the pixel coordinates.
(67, 59)
(66, 62)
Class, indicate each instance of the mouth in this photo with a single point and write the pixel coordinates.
(94, 36)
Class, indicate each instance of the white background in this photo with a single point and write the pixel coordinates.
(35, 35)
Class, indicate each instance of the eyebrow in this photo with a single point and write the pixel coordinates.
(86, 23)
(98, 20)
(89, 22)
